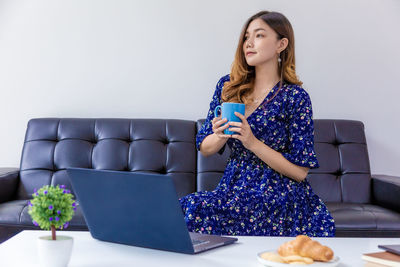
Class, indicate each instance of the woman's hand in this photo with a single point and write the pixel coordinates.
(218, 129)
(245, 134)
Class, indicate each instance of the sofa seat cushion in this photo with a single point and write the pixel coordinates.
(15, 213)
(355, 216)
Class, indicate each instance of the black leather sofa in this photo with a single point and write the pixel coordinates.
(362, 204)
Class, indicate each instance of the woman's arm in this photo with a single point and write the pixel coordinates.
(271, 157)
(212, 144)
(210, 138)
(276, 161)
(215, 141)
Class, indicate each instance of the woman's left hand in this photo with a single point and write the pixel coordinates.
(245, 134)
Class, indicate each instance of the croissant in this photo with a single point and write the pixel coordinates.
(305, 247)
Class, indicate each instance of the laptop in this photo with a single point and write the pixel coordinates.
(138, 209)
(391, 248)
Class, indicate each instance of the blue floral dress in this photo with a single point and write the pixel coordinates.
(252, 198)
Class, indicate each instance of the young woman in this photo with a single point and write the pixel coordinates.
(264, 190)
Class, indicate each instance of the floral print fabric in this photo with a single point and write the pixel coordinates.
(251, 197)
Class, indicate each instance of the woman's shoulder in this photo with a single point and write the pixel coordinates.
(296, 98)
(218, 89)
(294, 92)
(220, 85)
(222, 81)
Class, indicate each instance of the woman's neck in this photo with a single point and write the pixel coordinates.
(266, 77)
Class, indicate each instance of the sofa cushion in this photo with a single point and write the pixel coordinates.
(351, 216)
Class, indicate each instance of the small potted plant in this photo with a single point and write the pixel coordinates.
(51, 208)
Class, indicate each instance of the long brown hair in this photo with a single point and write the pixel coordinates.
(242, 76)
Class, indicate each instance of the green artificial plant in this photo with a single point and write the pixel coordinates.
(52, 207)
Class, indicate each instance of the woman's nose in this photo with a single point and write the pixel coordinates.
(249, 42)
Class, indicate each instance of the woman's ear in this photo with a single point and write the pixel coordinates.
(283, 43)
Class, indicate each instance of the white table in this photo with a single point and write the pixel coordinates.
(21, 250)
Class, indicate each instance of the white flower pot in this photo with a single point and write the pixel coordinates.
(55, 253)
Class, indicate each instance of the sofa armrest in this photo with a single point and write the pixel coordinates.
(9, 178)
(386, 191)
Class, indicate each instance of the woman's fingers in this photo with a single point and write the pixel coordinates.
(224, 126)
(221, 129)
(234, 123)
(235, 129)
(219, 122)
(240, 129)
(218, 128)
(237, 136)
(216, 122)
(240, 116)
(224, 136)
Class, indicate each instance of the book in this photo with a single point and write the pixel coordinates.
(384, 258)
(373, 264)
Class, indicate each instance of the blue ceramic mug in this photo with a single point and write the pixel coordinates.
(228, 111)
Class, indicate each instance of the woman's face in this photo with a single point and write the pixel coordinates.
(261, 43)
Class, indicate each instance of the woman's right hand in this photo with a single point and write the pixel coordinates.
(218, 129)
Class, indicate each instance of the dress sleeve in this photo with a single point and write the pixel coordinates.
(206, 128)
(301, 131)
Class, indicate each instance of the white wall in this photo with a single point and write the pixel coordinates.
(162, 59)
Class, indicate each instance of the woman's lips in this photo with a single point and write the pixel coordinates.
(250, 53)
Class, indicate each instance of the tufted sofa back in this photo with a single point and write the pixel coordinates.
(168, 147)
(137, 145)
(344, 174)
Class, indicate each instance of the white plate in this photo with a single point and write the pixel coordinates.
(332, 263)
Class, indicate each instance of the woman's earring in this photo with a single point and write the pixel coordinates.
(279, 60)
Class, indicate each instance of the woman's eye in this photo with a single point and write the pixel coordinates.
(260, 35)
